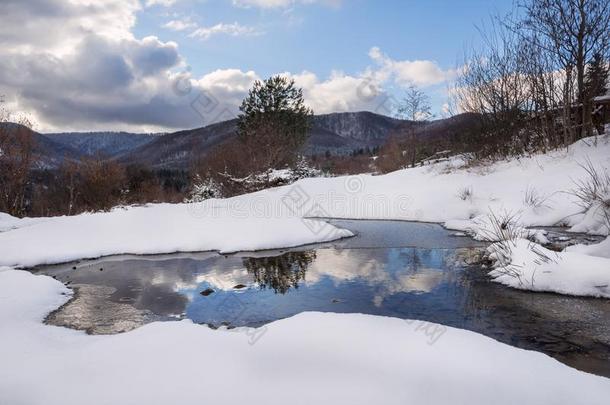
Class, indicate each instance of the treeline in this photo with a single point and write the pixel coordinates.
(98, 184)
(29, 187)
(272, 128)
(531, 86)
(534, 81)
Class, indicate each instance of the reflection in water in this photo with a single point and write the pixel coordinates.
(280, 273)
(362, 275)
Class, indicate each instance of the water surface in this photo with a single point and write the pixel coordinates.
(391, 268)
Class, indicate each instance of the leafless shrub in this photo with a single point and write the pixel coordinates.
(502, 233)
(534, 199)
(593, 191)
(503, 227)
(465, 193)
(17, 157)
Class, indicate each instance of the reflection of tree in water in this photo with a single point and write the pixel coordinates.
(413, 258)
(280, 272)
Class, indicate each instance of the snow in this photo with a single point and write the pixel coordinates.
(8, 222)
(307, 359)
(160, 228)
(312, 357)
(540, 269)
(454, 193)
(601, 249)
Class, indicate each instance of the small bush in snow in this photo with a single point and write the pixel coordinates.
(504, 233)
(465, 194)
(203, 190)
(534, 199)
(303, 170)
(593, 193)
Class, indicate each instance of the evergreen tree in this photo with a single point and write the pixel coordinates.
(274, 122)
(596, 77)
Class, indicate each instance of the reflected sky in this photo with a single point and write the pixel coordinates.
(381, 271)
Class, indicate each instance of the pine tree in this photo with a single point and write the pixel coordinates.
(274, 122)
(596, 77)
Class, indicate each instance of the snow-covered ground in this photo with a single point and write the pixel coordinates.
(312, 358)
(534, 188)
(323, 358)
(8, 222)
(528, 266)
(160, 228)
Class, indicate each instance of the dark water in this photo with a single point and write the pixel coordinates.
(400, 269)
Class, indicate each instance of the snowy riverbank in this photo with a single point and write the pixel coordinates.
(535, 189)
(312, 358)
(329, 358)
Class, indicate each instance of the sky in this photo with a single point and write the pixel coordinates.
(164, 65)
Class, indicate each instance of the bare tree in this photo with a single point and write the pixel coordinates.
(16, 159)
(415, 106)
(573, 31)
(492, 84)
(101, 184)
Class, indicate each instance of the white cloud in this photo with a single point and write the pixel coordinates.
(234, 29)
(341, 92)
(56, 26)
(180, 25)
(416, 72)
(269, 4)
(163, 3)
(78, 66)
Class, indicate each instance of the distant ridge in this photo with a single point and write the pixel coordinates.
(336, 133)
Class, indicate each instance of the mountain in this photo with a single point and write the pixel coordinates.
(338, 133)
(47, 152)
(176, 149)
(110, 144)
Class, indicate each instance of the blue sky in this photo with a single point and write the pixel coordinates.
(321, 38)
(114, 64)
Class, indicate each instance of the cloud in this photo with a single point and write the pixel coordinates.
(235, 29)
(341, 92)
(56, 26)
(270, 4)
(78, 66)
(416, 72)
(180, 25)
(163, 3)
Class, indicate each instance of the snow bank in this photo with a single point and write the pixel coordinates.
(8, 222)
(451, 192)
(312, 358)
(526, 265)
(161, 228)
(601, 249)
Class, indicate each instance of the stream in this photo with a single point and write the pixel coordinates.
(391, 268)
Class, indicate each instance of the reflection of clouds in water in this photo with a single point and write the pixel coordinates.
(167, 286)
(186, 274)
(390, 271)
(221, 279)
(424, 281)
